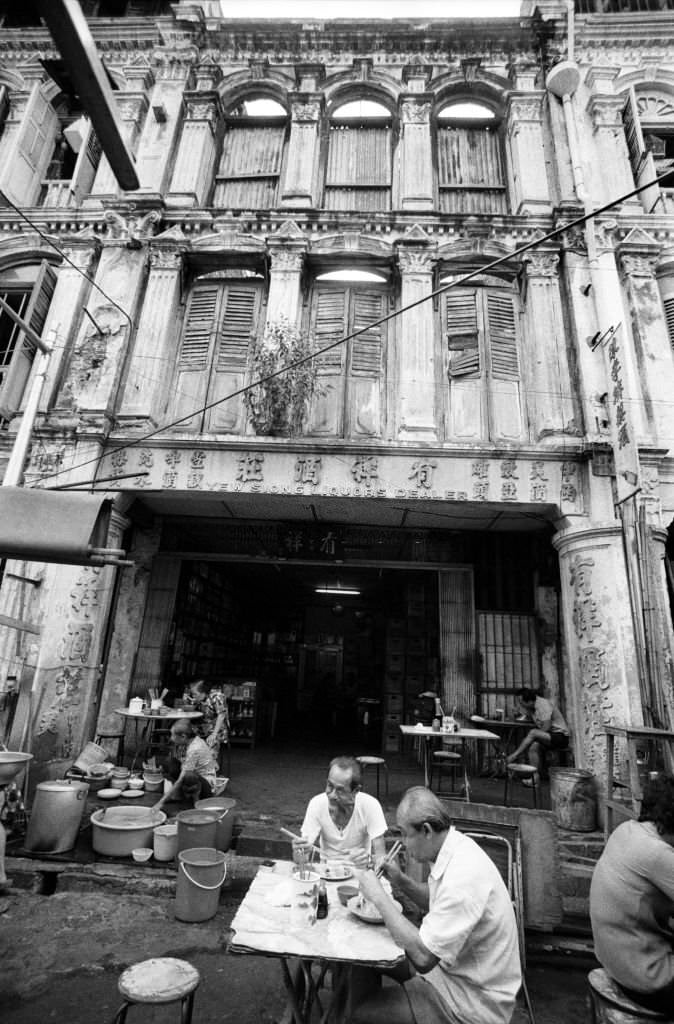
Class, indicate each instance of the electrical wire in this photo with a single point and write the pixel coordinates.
(508, 257)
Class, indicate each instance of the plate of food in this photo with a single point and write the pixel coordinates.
(335, 871)
(367, 911)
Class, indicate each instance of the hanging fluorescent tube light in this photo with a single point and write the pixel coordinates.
(340, 591)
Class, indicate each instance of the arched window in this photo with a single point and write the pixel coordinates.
(222, 316)
(252, 156)
(28, 291)
(648, 119)
(359, 159)
(351, 375)
(471, 174)
(482, 361)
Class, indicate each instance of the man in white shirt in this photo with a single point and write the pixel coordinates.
(191, 767)
(347, 823)
(550, 731)
(464, 958)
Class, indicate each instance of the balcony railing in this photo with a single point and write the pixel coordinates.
(57, 193)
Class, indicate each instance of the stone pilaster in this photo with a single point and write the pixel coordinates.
(546, 364)
(417, 412)
(160, 131)
(602, 684)
(416, 154)
(285, 293)
(652, 346)
(192, 177)
(151, 363)
(300, 181)
(609, 173)
(530, 187)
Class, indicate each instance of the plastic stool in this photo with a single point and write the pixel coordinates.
(160, 980)
(519, 773)
(119, 736)
(366, 760)
(610, 1005)
(444, 760)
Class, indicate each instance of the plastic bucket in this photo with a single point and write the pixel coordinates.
(201, 873)
(92, 754)
(222, 809)
(196, 829)
(165, 841)
(573, 799)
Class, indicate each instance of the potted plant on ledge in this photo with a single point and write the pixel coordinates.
(279, 405)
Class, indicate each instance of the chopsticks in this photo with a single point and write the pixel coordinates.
(293, 835)
(390, 856)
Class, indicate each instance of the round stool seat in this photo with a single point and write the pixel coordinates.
(446, 755)
(605, 990)
(370, 759)
(159, 980)
(525, 771)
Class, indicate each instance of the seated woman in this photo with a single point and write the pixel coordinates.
(204, 696)
(191, 767)
(632, 901)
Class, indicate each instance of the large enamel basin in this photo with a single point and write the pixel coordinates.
(116, 831)
(11, 763)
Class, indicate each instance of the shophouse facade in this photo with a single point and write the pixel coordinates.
(487, 461)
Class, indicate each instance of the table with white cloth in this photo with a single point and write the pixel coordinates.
(431, 736)
(276, 919)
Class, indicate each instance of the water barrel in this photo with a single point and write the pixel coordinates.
(573, 799)
(196, 829)
(56, 816)
(222, 809)
(201, 873)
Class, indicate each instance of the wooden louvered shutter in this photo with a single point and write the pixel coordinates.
(504, 398)
(85, 167)
(29, 155)
(328, 324)
(359, 167)
(250, 166)
(15, 379)
(363, 396)
(196, 353)
(669, 317)
(240, 315)
(502, 337)
(643, 164)
(462, 333)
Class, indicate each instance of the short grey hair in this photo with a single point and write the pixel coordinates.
(347, 764)
(420, 806)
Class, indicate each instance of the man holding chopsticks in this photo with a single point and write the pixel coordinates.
(464, 963)
(347, 823)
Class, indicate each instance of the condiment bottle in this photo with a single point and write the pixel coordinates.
(322, 901)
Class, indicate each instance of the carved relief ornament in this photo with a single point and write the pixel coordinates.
(306, 111)
(166, 259)
(541, 264)
(286, 260)
(525, 108)
(132, 107)
(637, 265)
(133, 226)
(201, 108)
(412, 112)
(415, 261)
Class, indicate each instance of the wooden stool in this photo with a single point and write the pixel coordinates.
(366, 761)
(160, 980)
(520, 773)
(444, 760)
(119, 736)
(610, 1005)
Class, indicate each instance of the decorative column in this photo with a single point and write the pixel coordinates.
(416, 399)
(415, 146)
(132, 108)
(530, 189)
(192, 177)
(545, 361)
(287, 249)
(603, 677)
(300, 183)
(608, 174)
(652, 348)
(152, 359)
(160, 131)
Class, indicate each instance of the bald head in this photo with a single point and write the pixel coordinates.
(420, 806)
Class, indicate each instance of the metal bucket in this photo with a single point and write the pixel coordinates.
(196, 829)
(573, 799)
(92, 754)
(56, 815)
(222, 809)
(201, 873)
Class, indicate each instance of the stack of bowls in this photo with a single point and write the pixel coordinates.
(154, 779)
(120, 778)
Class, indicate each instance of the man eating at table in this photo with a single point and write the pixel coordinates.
(350, 824)
(463, 959)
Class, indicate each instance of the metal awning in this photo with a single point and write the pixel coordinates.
(53, 526)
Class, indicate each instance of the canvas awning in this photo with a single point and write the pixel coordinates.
(54, 526)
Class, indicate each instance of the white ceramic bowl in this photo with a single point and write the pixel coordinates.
(141, 854)
(311, 878)
(109, 794)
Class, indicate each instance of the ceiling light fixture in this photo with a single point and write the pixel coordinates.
(341, 591)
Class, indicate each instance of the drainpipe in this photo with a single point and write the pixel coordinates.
(562, 81)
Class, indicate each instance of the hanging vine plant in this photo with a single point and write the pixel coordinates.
(279, 406)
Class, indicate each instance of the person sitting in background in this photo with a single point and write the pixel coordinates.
(350, 824)
(463, 961)
(550, 731)
(214, 726)
(632, 901)
(191, 766)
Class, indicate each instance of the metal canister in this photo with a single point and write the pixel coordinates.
(56, 815)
